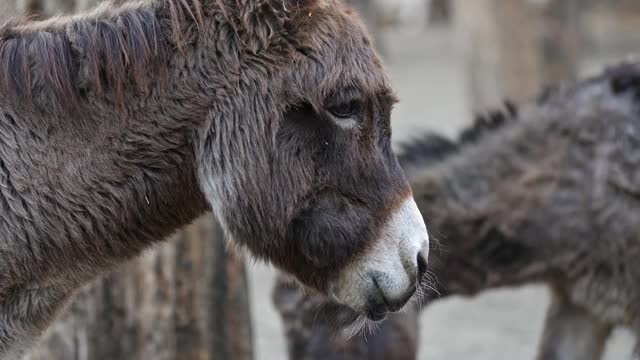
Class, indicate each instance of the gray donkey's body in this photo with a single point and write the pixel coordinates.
(121, 125)
(550, 194)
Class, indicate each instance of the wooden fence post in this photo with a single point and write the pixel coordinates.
(515, 47)
(187, 299)
(439, 11)
(8, 8)
(82, 5)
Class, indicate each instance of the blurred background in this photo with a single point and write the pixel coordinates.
(448, 59)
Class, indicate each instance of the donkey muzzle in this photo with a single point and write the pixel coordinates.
(385, 278)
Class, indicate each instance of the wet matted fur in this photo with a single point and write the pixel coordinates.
(120, 125)
(545, 193)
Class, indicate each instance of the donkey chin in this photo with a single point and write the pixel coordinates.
(388, 274)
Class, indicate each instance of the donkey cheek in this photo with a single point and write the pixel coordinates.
(331, 240)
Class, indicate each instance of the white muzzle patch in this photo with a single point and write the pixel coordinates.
(387, 274)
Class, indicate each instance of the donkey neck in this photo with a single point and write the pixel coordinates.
(85, 193)
(86, 188)
(467, 181)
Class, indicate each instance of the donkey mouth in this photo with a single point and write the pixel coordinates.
(378, 311)
(380, 305)
(377, 314)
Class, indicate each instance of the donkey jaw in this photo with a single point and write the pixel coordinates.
(385, 278)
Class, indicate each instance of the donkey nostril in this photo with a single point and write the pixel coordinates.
(422, 267)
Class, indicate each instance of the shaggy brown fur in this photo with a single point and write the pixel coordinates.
(547, 194)
(121, 125)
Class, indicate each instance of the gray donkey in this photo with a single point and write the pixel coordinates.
(121, 125)
(550, 194)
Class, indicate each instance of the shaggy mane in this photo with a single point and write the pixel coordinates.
(108, 49)
(432, 147)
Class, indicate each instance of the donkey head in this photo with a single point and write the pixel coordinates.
(297, 163)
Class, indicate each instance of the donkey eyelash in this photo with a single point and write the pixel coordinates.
(346, 115)
(346, 110)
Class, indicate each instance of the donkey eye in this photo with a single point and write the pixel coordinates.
(346, 110)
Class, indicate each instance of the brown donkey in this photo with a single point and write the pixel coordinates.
(546, 194)
(121, 125)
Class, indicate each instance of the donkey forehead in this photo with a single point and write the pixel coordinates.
(342, 58)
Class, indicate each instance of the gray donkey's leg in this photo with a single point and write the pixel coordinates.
(25, 314)
(310, 335)
(571, 333)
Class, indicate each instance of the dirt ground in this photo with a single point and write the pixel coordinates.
(503, 324)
